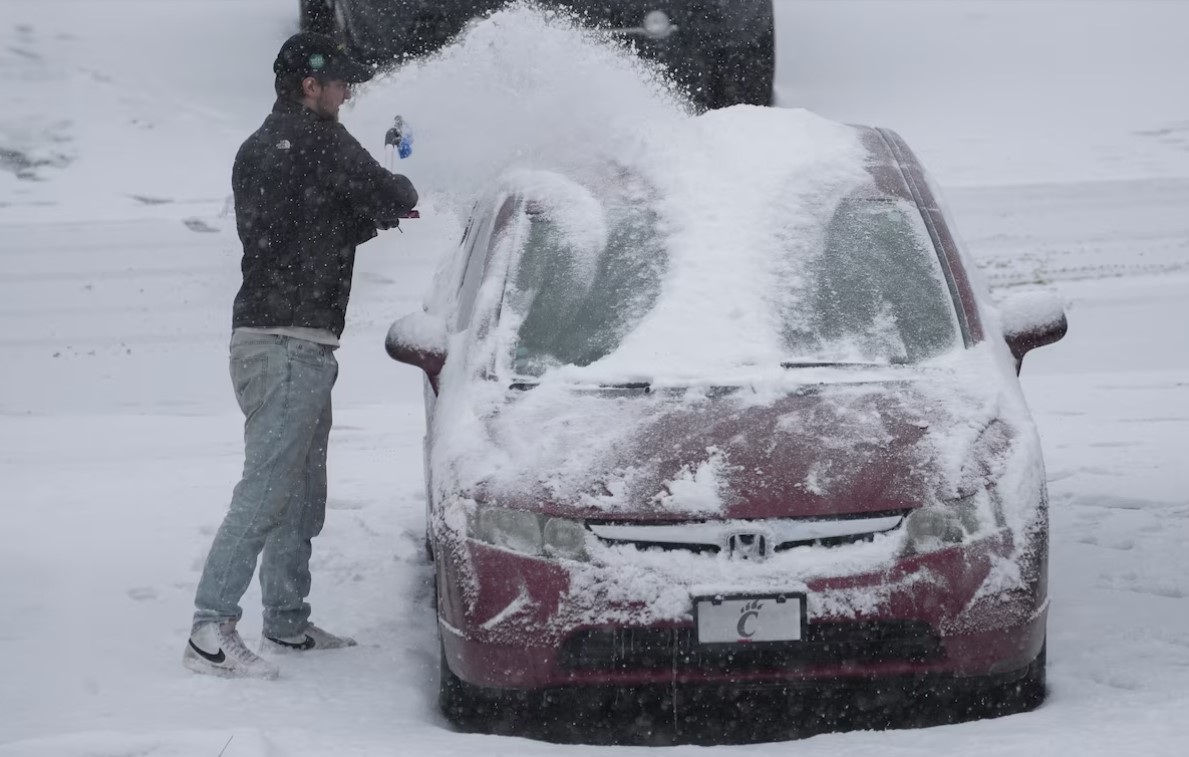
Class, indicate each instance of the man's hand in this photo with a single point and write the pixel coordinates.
(394, 223)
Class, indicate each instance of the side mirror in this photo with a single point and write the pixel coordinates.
(1031, 320)
(419, 339)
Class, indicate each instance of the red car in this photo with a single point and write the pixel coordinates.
(741, 416)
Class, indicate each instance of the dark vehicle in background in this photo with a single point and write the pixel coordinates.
(721, 51)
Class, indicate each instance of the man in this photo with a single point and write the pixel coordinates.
(306, 193)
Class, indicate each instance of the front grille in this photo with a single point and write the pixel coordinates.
(834, 541)
(627, 649)
(642, 545)
(777, 534)
(713, 549)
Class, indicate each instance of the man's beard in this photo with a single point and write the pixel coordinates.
(325, 113)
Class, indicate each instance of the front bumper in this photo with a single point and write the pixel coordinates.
(510, 622)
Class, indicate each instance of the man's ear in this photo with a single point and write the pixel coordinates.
(310, 87)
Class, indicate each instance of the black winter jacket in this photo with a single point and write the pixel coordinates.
(306, 193)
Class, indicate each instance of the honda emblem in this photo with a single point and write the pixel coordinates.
(753, 547)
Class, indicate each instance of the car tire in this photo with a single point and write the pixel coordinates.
(460, 703)
(453, 698)
(1028, 692)
(471, 708)
(992, 699)
(317, 16)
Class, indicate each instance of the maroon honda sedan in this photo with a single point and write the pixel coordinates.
(731, 409)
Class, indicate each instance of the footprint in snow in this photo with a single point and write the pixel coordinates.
(199, 225)
(26, 54)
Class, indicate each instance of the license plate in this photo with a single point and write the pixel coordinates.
(734, 619)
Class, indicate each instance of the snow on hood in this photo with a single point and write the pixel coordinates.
(816, 443)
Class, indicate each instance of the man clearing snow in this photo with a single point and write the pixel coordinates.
(306, 193)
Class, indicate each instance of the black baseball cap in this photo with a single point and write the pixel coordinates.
(309, 54)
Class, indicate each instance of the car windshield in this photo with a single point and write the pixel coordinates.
(864, 286)
(575, 305)
(873, 291)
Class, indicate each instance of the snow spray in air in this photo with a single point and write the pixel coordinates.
(525, 87)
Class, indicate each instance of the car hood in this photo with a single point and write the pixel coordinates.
(816, 451)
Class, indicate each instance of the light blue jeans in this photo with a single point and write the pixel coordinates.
(283, 386)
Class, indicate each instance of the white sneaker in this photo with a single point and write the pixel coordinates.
(217, 649)
(312, 638)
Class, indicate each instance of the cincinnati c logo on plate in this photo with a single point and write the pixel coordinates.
(749, 617)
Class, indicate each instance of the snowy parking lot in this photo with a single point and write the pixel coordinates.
(1058, 130)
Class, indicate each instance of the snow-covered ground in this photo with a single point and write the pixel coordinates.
(1059, 130)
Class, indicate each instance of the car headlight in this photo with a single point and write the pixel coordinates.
(565, 538)
(516, 530)
(657, 25)
(944, 524)
(529, 533)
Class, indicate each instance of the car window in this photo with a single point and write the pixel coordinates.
(575, 305)
(876, 291)
(852, 281)
(485, 233)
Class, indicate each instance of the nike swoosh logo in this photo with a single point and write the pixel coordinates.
(217, 659)
(307, 643)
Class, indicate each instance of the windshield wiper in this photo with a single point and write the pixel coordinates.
(833, 364)
(638, 386)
